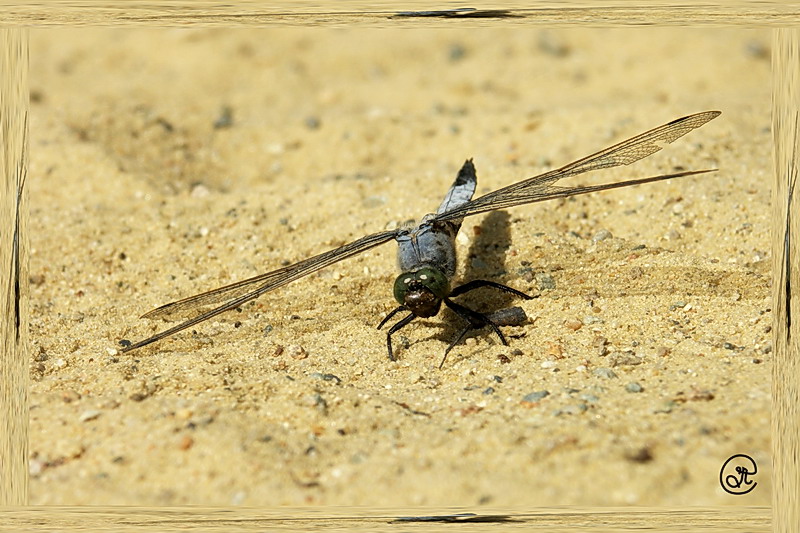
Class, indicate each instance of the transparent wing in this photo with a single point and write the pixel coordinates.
(540, 188)
(239, 293)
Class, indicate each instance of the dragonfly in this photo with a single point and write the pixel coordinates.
(426, 251)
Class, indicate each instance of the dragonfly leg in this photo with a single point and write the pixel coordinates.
(404, 322)
(391, 314)
(455, 341)
(477, 283)
(475, 320)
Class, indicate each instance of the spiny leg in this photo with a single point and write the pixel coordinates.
(475, 320)
(475, 284)
(404, 322)
(455, 341)
(391, 314)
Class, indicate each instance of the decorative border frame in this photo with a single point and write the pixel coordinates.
(14, 261)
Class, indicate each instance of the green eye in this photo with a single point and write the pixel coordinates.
(426, 277)
(434, 280)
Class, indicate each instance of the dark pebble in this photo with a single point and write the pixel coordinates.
(642, 455)
(326, 377)
(225, 119)
(535, 396)
(572, 409)
(312, 123)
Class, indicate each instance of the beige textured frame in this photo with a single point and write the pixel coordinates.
(13, 300)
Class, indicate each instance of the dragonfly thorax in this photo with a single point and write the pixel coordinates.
(422, 291)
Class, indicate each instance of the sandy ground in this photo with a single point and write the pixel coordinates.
(168, 162)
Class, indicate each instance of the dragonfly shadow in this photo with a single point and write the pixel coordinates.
(486, 259)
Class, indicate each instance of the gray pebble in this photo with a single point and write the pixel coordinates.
(326, 377)
(456, 52)
(535, 396)
(545, 281)
(604, 372)
(572, 409)
(601, 235)
(589, 398)
(225, 119)
(634, 387)
(666, 407)
(312, 122)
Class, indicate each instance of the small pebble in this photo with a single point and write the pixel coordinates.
(662, 351)
(489, 390)
(555, 350)
(185, 443)
(601, 345)
(545, 281)
(574, 325)
(553, 44)
(641, 455)
(326, 377)
(572, 409)
(634, 387)
(70, 396)
(295, 351)
(456, 52)
(589, 398)
(225, 119)
(666, 407)
(200, 191)
(549, 364)
(604, 372)
(535, 396)
(312, 123)
(624, 359)
(89, 415)
(601, 235)
(373, 201)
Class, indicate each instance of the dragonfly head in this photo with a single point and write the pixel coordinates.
(422, 291)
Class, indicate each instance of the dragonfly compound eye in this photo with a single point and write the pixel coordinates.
(421, 291)
(434, 280)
